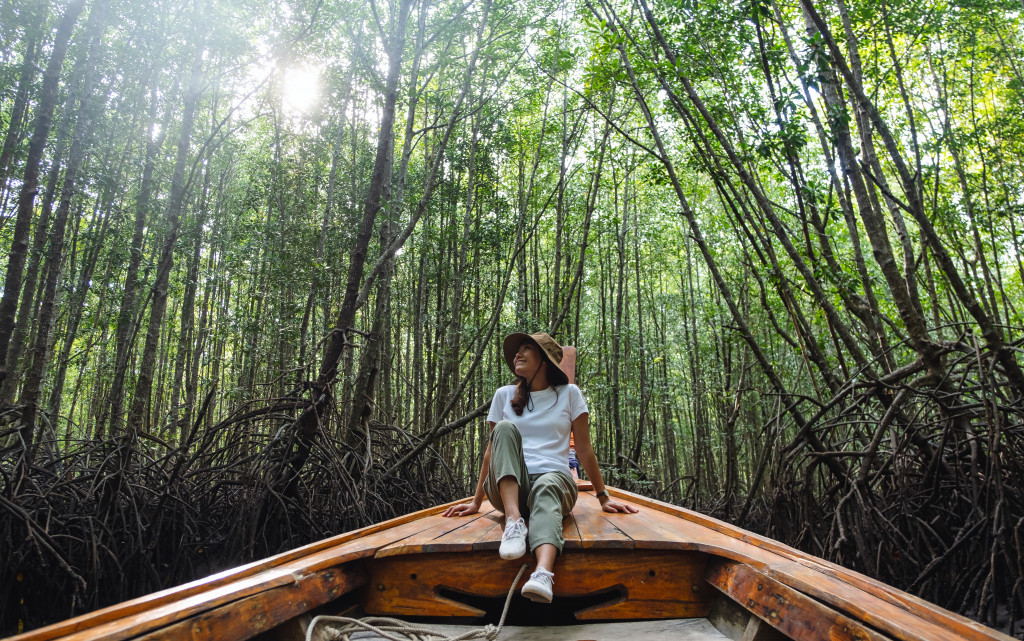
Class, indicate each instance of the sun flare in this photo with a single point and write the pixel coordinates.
(300, 89)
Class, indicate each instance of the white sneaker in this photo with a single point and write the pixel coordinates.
(513, 541)
(538, 588)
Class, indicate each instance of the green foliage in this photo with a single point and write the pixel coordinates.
(522, 228)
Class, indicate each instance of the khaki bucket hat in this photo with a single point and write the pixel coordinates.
(548, 345)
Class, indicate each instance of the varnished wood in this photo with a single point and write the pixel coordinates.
(435, 538)
(796, 615)
(464, 537)
(183, 609)
(571, 533)
(490, 538)
(595, 529)
(656, 584)
(641, 530)
(901, 614)
(245, 618)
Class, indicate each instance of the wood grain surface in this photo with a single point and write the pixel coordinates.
(645, 585)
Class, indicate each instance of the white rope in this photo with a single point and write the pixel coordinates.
(398, 630)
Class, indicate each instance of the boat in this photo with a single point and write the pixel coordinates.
(681, 571)
(664, 573)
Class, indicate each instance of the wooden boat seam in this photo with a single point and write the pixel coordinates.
(405, 546)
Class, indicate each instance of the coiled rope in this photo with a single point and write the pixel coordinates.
(398, 630)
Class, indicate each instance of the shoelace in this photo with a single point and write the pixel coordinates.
(515, 528)
(543, 577)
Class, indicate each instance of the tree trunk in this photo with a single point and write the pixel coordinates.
(20, 108)
(31, 286)
(114, 408)
(32, 392)
(992, 333)
(837, 467)
(188, 305)
(30, 181)
(137, 416)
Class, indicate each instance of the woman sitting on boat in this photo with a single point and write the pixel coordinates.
(526, 466)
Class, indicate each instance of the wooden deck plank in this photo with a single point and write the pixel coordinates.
(428, 539)
(461, 538)
(698, 526)
(596, 530)
(466, 535)
(490, 538)
(645, 535)
(571, 533)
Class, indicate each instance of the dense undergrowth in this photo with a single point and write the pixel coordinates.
(109, 520)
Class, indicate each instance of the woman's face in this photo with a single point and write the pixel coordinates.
(527, 360)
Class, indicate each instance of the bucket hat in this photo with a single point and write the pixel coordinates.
(548, 345)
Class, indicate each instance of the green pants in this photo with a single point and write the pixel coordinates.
(544, 499)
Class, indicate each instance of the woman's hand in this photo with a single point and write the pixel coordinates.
(463, 509)
(611, 505)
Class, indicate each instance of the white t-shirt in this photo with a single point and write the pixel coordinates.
(545, 428)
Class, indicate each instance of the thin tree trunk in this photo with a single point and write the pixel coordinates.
(307, 425)
(144, 385)
(992, 333)
(15, 133)
(436, 155)
(25, 326)
(30, 181)
(836, 466)
(127, 314)
(620, 295)
(187, 336)
(32, 392)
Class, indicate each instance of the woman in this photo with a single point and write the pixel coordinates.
(526, 465)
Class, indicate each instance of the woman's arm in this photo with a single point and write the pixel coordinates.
(585, 453)
(465, 509)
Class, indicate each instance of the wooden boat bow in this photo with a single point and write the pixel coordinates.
(664, 563)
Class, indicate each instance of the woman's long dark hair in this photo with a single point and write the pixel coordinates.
(521, 399)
